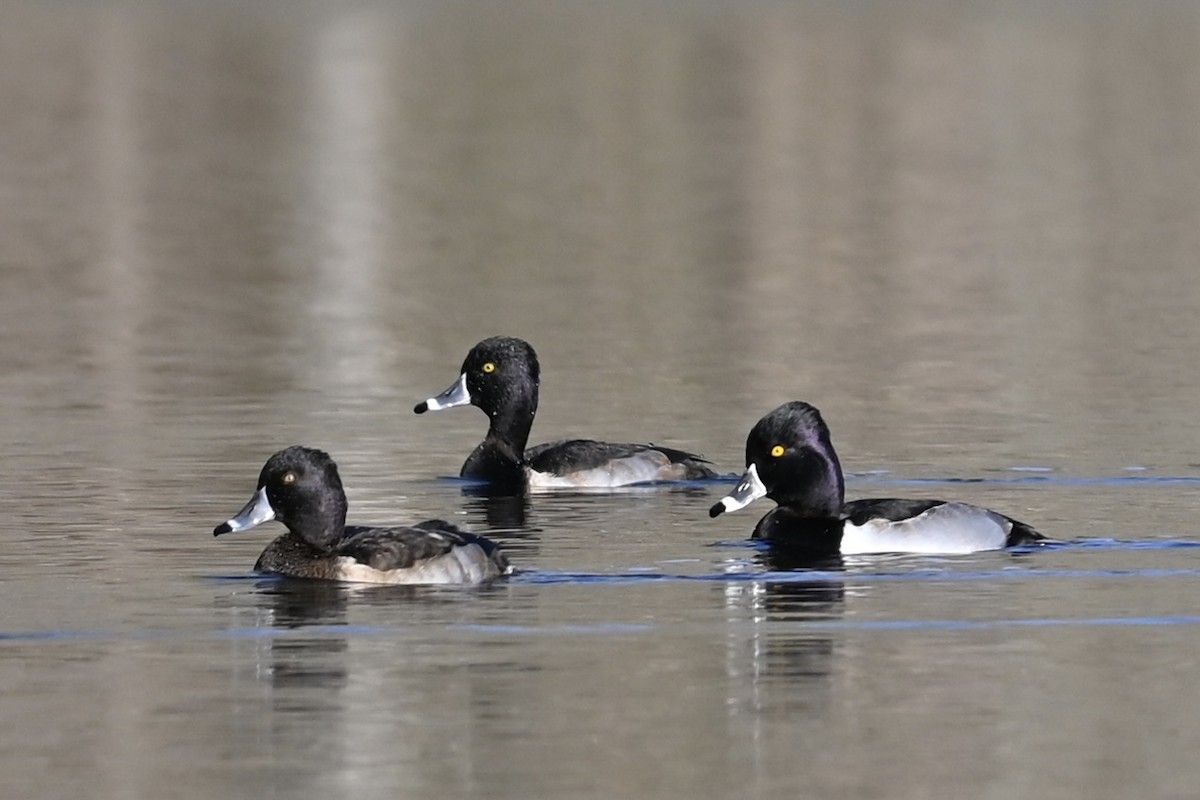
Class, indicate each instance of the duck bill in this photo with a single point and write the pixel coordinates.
(749, 489)
(457, 395)
(256, 512)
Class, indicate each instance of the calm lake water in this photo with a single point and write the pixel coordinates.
(966, 231)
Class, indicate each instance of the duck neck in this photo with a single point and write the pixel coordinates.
(496, 462)
(323, 522)
(510, 420)
(814, 535)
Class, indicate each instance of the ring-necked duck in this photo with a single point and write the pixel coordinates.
(300, 487)
(790, 459)
(500, 375)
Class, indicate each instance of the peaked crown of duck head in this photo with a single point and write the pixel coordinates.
(794, 456)
(305, 490)
(502, 372)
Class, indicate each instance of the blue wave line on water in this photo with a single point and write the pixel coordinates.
(834, 625)
(600, 629)
(1066, 544)
(605, 628)
(971, 625)
(243, 577)
(459, 480)
(1011, 574)
(1133, 544)
(1039, 479)
(538, 577)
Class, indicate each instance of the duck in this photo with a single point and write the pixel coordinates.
(300, 487)
(500, 375)
(790, 459)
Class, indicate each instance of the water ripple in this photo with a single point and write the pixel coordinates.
(599, 628)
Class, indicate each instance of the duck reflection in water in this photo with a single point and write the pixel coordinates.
(296, 660)
(777, 658)
(500, 510)
(504, 514)
(307, 646)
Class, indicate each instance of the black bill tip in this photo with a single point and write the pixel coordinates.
(222, 528)
(717, 510)
(421, 407)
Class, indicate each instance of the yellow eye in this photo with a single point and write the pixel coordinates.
(777, 450)
(489, 368)
(289, 478)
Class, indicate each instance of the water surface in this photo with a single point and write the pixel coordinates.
(965, 231)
